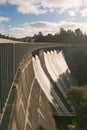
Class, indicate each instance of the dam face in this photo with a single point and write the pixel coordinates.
(28, 107)
(39, 90)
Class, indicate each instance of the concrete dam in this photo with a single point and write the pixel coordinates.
(34, 80)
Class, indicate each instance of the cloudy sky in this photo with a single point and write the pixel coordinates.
(20, 18)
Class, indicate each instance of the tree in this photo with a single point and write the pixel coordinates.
(78, 97)
(62, 31)
(40, 34)
(78, 32)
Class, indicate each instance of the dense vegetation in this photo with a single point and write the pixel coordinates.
(63, 37)
(78, 97)
(76, 58)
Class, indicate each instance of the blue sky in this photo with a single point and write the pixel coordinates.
(20, 18)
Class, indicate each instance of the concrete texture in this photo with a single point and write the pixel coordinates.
(28, 107)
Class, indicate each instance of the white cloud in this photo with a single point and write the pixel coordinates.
(43, 6)
(18, 32)
(28, 6)
(29, 29)
(61, 11)
(4, 19)
(71, 13)
(2, 29)
(83, 12)
(62, 3)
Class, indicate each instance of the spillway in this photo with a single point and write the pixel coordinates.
(56, 66)
(46, 85)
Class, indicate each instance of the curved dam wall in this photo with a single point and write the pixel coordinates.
(39, 81)
(28, 107)
(11, 53)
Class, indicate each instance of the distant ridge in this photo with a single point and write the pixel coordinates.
(2, 40)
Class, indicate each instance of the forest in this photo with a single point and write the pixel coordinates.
(63, 36)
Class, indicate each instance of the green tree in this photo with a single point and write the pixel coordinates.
(62, 31)
(78, 32)
(78, 97)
